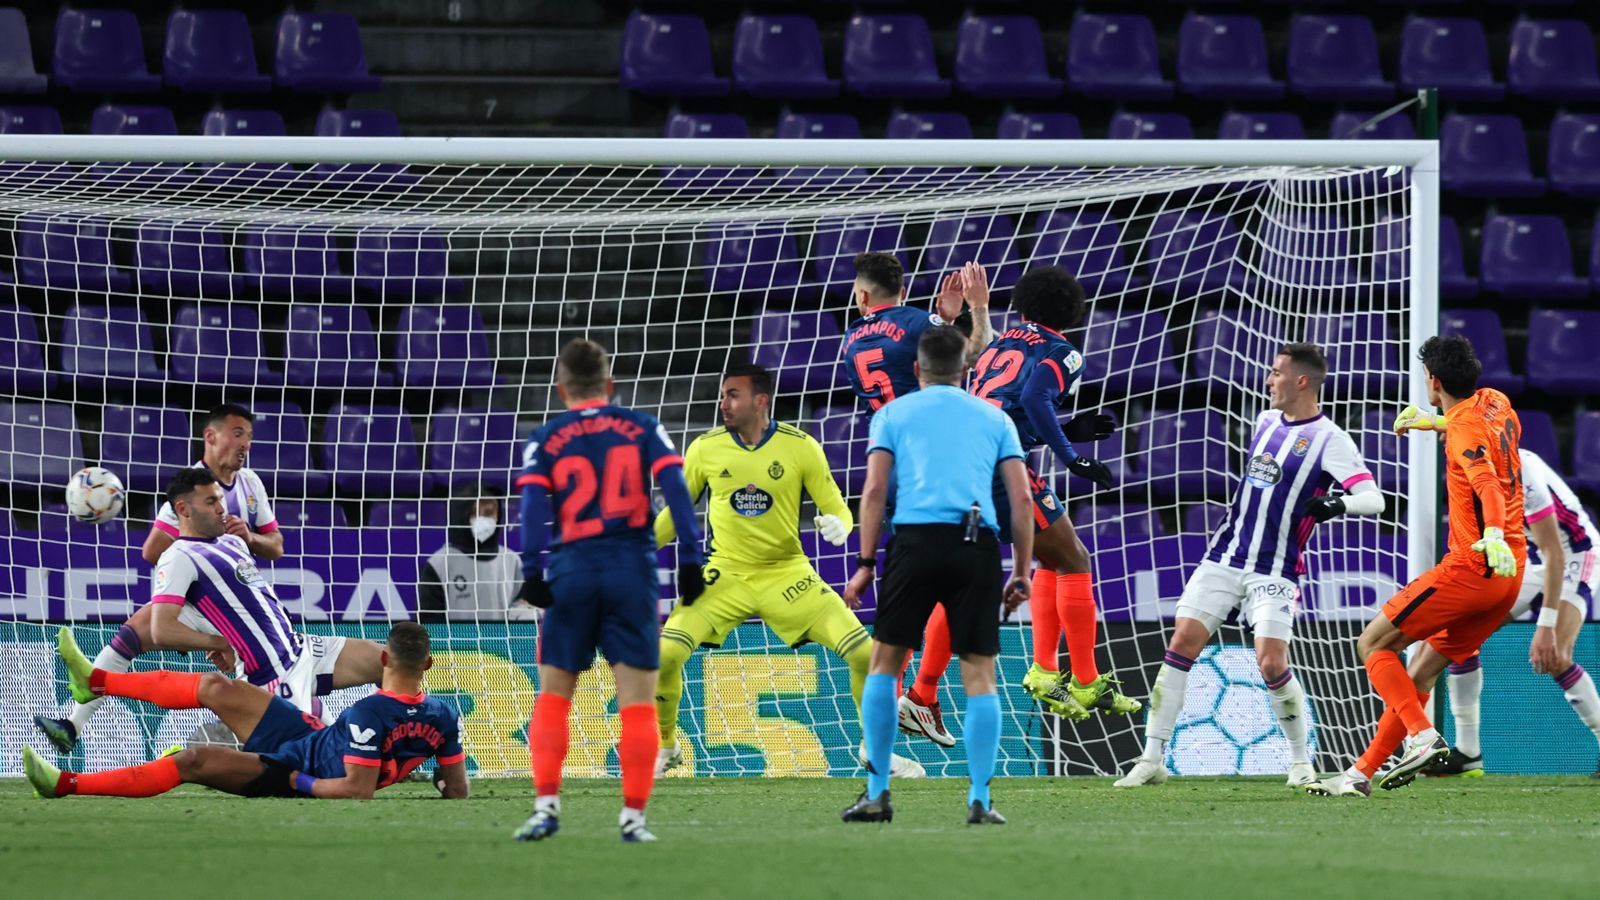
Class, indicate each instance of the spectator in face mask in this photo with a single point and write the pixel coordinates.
(472, 577)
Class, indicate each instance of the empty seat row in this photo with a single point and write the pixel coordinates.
(1225, 57)
(121, 118)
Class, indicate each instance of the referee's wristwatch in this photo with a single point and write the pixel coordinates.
(870, 563)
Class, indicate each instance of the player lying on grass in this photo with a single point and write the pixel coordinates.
(376, 741)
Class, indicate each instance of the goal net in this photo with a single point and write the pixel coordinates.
(391, 310)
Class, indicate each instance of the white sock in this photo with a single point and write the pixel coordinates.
(1289, 705)
(111, 661)
(1465, 689)
(550, 804)
(1166, 702)
(629, 815)
(1585, 702)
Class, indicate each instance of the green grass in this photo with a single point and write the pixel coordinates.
(1076, 838)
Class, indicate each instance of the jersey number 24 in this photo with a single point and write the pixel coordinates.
(623, 494)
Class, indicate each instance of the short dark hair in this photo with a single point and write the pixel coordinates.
(941, 352)
(882, 271)
(409, 647)
(583, 367)
(1308, 357)
(1451, 360)
(1050, 296)
(222, 412)
(760, 378)
(185, 481)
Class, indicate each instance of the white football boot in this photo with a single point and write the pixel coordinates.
(1143, 772)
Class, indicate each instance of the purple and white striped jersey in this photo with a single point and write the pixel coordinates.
(1290, 464)
(219, 578)
(246, 498)
(1545, 494)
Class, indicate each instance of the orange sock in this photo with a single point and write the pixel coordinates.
(935, 658)
(1080, 620)
(1399, 693)
(1046, 624)
(1390, 733)
(147, 780)
(547, 742)
(636, 752)
(170, 690)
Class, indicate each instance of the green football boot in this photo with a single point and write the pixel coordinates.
(79, 668)
(1099, 695)
(42, 775)
(1046, 687)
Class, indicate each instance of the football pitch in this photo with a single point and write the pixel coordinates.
(1499, 837)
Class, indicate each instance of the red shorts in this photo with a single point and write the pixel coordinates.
(1454, 608)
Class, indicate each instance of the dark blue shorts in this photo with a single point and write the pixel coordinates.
(1047, 507)
(607, 598)
(282, 723)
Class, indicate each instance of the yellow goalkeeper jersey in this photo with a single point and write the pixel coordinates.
(754, 511)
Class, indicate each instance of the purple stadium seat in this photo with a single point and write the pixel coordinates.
(219, 344)
(800, 349)
(1225, 58)
(17, 72)
(1205, 518)
(1586, 453)
(1115, 57)
(1185, 454)
(279, 454)
(1486, 156)
(100, 51)
(1118, 523)
(824, 126)
(1088, 243)
(1529, 257)
(1127, 126)
(707, 125)
(22, 364)
(1192, 253)
(1362, 354)
(1308, 250)
(358, 123)
(30, 120)
(1574, 160)
(39, 444)
(212, 52)
(753, 259)
(321, 53)
(295, 264)
(442, 347)
(891, 56)
(780, 56)
(842, 430)
(91, 357)
(1232, 346)
(1482, 328)
(186, 262)
(1454, 282)
(1261, 126)
(1016, 126)
(310, 515)
(1390, 263)
(1384, 452)
(706, 178)
(474, 446)
(144, 445)
(1394, 128)
(1553, 59)
(415, 513)
(404, 267)
(838, 242)
(1336, 58)
(1128, 355)
(669, 56)
(333, 346)
(1539, 435)
(1594, 256)
(243, 122)
(1003, 56)
(928, 126)
(1561, 350)
(67, 254)
(372, 452)
(989, 240)
(1449, 54)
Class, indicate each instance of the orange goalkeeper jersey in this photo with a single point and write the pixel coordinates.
(1483, 475)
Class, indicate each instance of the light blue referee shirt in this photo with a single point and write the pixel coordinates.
(946, 445)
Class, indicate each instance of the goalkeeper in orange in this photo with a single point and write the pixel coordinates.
(1456, 605)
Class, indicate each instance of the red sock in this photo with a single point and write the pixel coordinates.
(147, 780)
(170, 690)
(1399, 693)
(1080, 620)
(547, 742)
(636, 752)
(935, 658)
(1046, 625)
(1385, 742)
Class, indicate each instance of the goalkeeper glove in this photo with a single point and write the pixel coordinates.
(832, 529)
(536, 591)
(1497, 552)
(691, 583)
(1092, 469)
(1324, 508)
(1090, 427)
(1413, 419)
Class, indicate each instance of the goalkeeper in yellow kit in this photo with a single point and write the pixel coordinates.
(756, 468)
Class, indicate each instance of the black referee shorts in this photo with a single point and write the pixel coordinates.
(931, 564)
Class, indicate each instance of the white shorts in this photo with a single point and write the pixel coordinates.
(308, 679)
(1267, 603)
(1580, 584)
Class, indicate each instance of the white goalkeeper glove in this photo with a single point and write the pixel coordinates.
(1497, 552)
(832, 529)
(1413, 419)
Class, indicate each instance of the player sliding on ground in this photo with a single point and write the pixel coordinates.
(756, 469)
(1297, 456)
(1454, 607)
(376, 741)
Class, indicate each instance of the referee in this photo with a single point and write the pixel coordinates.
(942, 447)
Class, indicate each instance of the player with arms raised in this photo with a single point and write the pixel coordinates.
(1297, 456)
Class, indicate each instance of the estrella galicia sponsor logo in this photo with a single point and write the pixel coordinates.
(1301, 446)
(775, 471)
(750, 501)
(1264, 471)
(249, 574)
(794, 591)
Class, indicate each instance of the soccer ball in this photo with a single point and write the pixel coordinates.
(94, 495)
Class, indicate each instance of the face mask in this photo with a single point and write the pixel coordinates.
(482, 528)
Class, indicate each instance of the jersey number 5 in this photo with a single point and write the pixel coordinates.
(622, 496)
(874, 381)
(1005, 364)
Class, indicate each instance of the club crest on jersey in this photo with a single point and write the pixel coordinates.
(775, 471)
(750, 501)
(1301, 447)
(1264, 471)
(1048, 502)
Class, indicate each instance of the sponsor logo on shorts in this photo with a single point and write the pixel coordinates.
(1264, 471)
(1301, 447)
(750, 501)
(793, 591)
(775, 471)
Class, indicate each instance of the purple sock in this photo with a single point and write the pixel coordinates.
(1463, 668)
(1281, 680)
(127, 643)
(1178, 661)
(1570, 677)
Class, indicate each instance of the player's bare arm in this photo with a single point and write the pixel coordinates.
(452, 781)
(359, 783)
(1544, 651)
(1015, 477)
(155, 544)
(171, 634)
